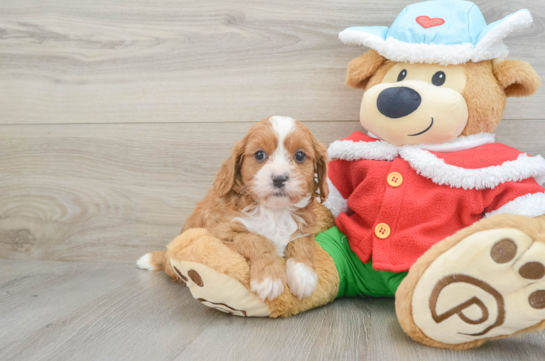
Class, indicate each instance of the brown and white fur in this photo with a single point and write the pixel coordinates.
(266, 208)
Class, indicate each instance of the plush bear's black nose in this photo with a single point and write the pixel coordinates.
(398, 102)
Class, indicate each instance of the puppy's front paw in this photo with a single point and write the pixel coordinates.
(268, 288)
(267, 278)
(302, 279)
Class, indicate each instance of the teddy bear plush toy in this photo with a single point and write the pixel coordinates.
(428, 207)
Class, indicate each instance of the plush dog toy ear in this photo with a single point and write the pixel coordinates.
(517, 77)
(228, 176)
(361, 69)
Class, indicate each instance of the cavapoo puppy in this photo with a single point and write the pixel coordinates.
(263, 205)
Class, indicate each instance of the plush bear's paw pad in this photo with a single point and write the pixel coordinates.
(302, 280)
(490, 284)
(219, 291)
(267, 288)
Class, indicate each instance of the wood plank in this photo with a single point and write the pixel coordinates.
(110, 193)
(191, 61)
(69, 311)
(77, 311)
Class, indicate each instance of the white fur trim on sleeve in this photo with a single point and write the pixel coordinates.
(530, 205)
(491, 45)
(335, 201)
(430, 166)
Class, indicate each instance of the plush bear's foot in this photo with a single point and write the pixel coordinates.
(489, 283)
(220, 278)
(216, 276)
(219, 291)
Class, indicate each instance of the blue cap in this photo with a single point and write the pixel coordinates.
(439, 31)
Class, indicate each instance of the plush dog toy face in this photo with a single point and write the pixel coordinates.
(419, 103)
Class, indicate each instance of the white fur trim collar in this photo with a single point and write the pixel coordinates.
(382, 150)
(430, 166)
(350, 150)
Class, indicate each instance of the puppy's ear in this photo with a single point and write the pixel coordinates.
(229, 174)
(320, 168)
(361, 69)
(517, 77)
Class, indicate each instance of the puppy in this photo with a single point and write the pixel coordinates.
(263, 205)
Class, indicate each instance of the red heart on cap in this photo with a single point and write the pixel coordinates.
(426, 22)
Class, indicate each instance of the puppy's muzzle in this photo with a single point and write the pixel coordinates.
(280, 181)
(398, 102)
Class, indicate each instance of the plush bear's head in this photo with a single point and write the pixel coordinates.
(418, 103)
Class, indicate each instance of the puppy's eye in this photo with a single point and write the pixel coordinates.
(260, 156)
(300, 157)
(438, 78)
(402, 75)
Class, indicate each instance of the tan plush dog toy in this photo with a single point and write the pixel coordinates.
(428, 208)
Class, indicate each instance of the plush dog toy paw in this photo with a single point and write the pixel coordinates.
(427, 206)
(485, 282)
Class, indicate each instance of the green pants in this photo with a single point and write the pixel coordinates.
(357, 278)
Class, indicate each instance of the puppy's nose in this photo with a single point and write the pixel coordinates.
(398, 102)
(279, 181)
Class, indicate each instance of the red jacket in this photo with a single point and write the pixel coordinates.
(393, 203)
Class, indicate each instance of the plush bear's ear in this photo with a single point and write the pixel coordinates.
(361, 69)
(517, 77)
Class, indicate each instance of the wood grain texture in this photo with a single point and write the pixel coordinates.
(108, 61)
(110, 193)
(78, 311)
(115, 117)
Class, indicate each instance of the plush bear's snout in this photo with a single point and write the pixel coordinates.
(398, 102)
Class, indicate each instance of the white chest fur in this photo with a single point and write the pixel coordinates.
(277, 224)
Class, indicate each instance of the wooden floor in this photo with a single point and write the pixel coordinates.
(115, 116)
(84, 311)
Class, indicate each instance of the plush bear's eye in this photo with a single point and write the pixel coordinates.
(438, 78)
(402, 75)
(300, 157)
(260, 156)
